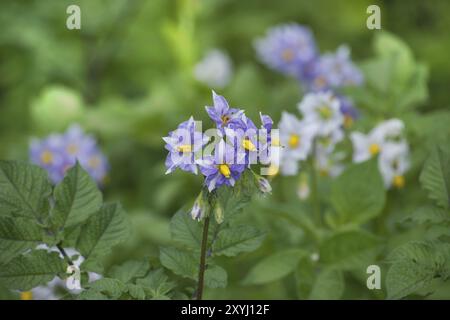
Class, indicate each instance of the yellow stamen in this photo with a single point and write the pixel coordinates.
(26, 295)
(325, 112)
(273, 170)
(225, 119)
(185, 148)
(225, 170)
(398, 182)
(324, 172)
(46, 157)
(294, 141)
(374, 149)
(348, 121)
(288, 55)
(320, 82)
(94, 162)
(72, 149)
(248, 145)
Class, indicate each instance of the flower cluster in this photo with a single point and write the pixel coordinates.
(386, 142)
(292, 50)
(236, 144)
(58, 152)
(319, 130)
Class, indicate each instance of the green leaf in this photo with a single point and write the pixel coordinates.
(16, 236)
(135, 291)
(76, 198)
(429, 214)
(349, 250)
(391, 47)
(435, 176)
(24, 190)
(103, 230)
(235, 199)
(215, 277)
(358, 194)
(130, 270)
(112, 288)
(234, 240)
(186, 231)
(31, 270)
(414, 266)
(329, 285)
(156, 284)
(274, 267)
(179, 262)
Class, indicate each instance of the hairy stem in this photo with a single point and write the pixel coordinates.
(202, 267)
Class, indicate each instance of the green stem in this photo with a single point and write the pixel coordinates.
(63, 252)
(314, 189)
(202, 267)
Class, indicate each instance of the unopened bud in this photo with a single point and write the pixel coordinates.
(218, 213)
(264, 185)
(198, 210)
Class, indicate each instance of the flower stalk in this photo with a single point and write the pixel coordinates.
(202, 267)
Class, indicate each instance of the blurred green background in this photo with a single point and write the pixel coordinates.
(126, 76)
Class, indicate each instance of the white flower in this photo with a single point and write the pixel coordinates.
(329, 164)
(393, 163)
(366, 146)
(295, 137)
(49, 290)
(215, 70)
(322, 110)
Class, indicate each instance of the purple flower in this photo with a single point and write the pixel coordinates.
(335, 70)
(59, 152)
(49, 154)
(222, 168)
(288, 48)
(222, 114)
(183, 144)
(266, 121)
(348, 110)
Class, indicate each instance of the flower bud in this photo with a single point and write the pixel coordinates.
(218, 213)
(198, 210)
(264, 185)
(303, 187)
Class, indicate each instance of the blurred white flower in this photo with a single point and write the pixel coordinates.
(215, 69)
(49, 291)
(329, 164)
(366, 146)
(393, 163)
(295, 137)
(385, 140)
(322, 111)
